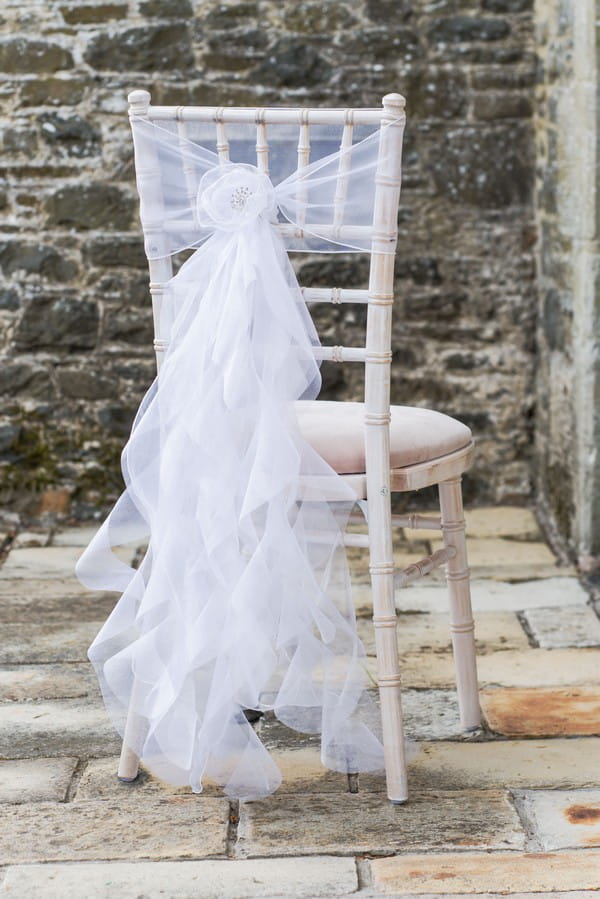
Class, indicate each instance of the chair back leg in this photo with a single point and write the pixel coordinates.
(461, 615)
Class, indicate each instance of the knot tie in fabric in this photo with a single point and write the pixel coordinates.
(232, 196)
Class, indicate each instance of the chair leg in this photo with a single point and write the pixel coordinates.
(129, 761)
(388, 679)
(461, 615)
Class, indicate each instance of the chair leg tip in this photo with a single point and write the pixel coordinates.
(399, 801)
(127, 780)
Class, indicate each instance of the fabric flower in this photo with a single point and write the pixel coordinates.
(231, 196)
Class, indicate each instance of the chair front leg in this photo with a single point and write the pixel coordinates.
(461, 615)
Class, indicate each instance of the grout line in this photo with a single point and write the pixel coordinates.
(364, 876)
(232, 829)
(518, 799)
(75, 780)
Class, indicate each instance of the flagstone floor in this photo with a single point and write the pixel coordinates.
(513, 809)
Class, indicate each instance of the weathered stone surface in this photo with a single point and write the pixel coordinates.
(146, 49)
(21, 55)
(431, 633)
(513, 522)
(468, 28)
(565, 819)
(558, 628)
(364, 823)
(36, 259)
(51, 599)
(505, 764)
(20, 683)
(543, 712)
(65, 91)
(293, 63)
(174, 827)
(33, 562)
(501, 105)
(487, 595)
(91, 205)
(90, 15)
(81, 383)
(72, 135)
(37, 780)
(79, 536)
(36, 643)
(50, 321)
(69, 727)
(312, 878)
(486, 872)
(174, 9)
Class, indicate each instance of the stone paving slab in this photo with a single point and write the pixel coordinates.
(531, 668)
(49, 561)
(504, 872)
(79, 536)
(53, 600)
(499, 553)
(565, 819)
(559, 627)
(19, 683)
(35, 780)
(170, 827)
(31, 538)
(494, 631)
(501, 521)
(49, 729)
(487, 596)
(311, 877)
(28, 643)
(99, 781)
(356, 823)
(543, 712)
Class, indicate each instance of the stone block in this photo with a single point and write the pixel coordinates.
(542, 711)
(555, 764)
(559, 628)
(143, 49)
(21, 256)
(79, 536)
(292, 63)
(170, 827)
(34, 643)
(20, 683)
(487, 595)
(349, 824)
(71, 134)
(50, 321)
(212, 879)
(91, 15)
(562, 819)
(458, 29)
(52, 91)
(36, 562)
(99, 781)
(21, 55)
(35, 780)
(92, 205)
(51, 600)
(494, 631)
(68, 727)
(489, 872)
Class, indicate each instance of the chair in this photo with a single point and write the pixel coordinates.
(376, 448)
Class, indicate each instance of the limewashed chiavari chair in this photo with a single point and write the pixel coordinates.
(379, 449)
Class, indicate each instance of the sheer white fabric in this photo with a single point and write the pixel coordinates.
(243, 599)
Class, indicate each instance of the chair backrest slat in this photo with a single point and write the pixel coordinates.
(262, 144)
(222, 142)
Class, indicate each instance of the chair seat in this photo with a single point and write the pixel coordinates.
(337, 432)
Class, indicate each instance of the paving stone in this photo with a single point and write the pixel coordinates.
(52, 600)
(508, 560)
(431, 632)
(505, 763)
(74, 536)
(487, 596)
(367, 822)
(61, 728)
(543, 712)
(35, 780)
(30, 538)
(35, 682)
(99, 781)
(312, 877)
(562, 819)
(558, 628)
(502, 521)
(60, 642)
(513, 668)
(169, 827)
(46, 562)
(486, 872)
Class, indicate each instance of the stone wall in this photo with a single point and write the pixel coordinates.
(75, 322)
(568, 201)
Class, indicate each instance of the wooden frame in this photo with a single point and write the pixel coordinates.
(378, 481)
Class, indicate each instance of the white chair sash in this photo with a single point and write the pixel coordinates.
(243, 599)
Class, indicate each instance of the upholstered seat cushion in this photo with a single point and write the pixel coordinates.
(336, 431)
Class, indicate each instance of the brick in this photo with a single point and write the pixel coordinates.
(61, 728)
(34, 643)
(286, 825)
(172, 827)
(321, 876)
(35, 780)
(55, 681)
(562, 819)
(559, 628)
(470, 872)
(543, 712)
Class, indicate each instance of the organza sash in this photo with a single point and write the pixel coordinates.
(243, 598)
